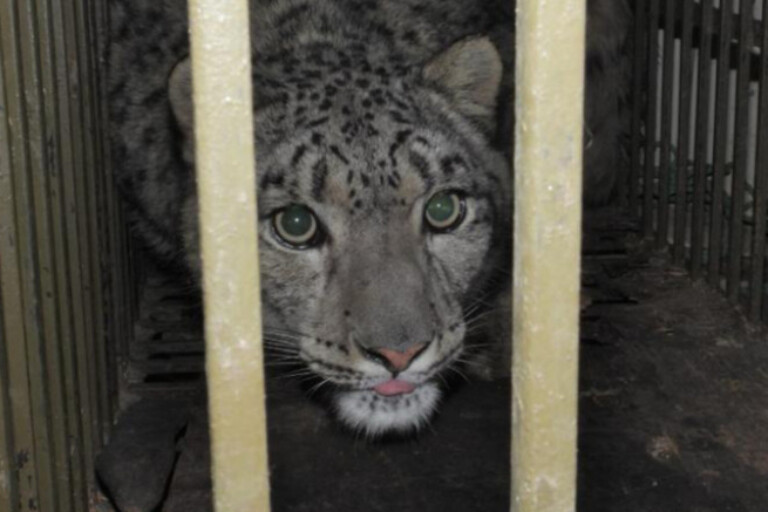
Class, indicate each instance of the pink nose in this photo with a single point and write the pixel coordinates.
(400, 360)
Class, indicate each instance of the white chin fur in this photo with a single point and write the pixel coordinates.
(375, 414)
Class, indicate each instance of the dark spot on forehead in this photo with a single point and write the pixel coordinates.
(297, 154)
(336, 151)
(272, 178)
(319, 175)
(318, 122)
(411, 37)
(421, 165)
(446, 164)
(402, 136)
(398, 117)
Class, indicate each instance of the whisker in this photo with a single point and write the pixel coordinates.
(297, 362)
(298, 373)
(285, 348)
(442, 378)
(281, 341)
(314, 389)
(287, 332)
(457, 371)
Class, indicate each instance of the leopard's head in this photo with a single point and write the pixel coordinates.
(383, 212)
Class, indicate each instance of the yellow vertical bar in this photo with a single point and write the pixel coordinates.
(549, 95)
(225, 158)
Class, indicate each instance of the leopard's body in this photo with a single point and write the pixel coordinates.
(364, 111)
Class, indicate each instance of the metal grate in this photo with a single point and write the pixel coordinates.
(167, 350)
(66, 306)
(699, 169)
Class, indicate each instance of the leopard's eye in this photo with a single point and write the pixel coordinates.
(444, 211)
(297, 226)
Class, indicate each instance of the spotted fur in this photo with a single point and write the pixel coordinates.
(363, 110)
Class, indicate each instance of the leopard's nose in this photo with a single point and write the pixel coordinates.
(395, 360)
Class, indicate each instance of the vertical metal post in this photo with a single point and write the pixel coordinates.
(757, 288)
(724, 34)
(667, 90)
(640, 104)
(8, 488)
(19, 272)
(548, 137)
(701, 151)
(651, 133)
(683, 134)
(740, 155)
(221, 78)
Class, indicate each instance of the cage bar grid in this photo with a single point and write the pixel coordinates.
(703, 190)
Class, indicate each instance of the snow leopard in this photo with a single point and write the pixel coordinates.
(383, 183)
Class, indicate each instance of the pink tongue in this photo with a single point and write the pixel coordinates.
(394, 387)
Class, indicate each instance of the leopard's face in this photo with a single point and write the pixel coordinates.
(380, 211)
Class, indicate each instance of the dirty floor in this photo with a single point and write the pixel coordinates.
(674, 417)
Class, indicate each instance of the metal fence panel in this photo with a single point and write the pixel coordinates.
(712, 95)
(61, 230)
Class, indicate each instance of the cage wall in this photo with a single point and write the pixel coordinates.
(65, 307)
(699, 151)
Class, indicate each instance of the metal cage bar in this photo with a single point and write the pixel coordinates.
(725, 28)
(701, 146)
(649, 174)
(683, 135)
(547, 238)
(758, 286)
(639, 105)
(740, 155)
(221, 78)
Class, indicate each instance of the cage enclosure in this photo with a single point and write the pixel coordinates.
(102, 352)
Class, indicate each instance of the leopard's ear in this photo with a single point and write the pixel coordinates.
(470, 73)
(180, 95)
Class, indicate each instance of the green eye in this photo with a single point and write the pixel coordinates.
(296, 225)
(444, 210)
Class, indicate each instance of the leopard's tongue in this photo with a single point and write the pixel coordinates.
(394, 387)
